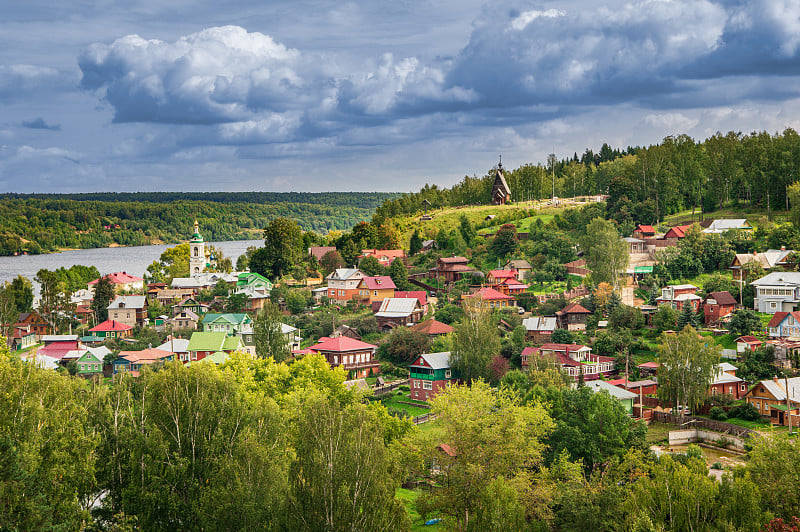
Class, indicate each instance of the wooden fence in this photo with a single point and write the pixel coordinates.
(698, 422)
(424, 418)
(388, 388)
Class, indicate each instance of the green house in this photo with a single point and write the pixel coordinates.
(430, 374)
(253, 280)
(627, 399)
(205, 344)
(227, 323)
(89, 364)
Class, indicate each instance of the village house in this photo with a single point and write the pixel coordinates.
(784, 325)
(573, 359)
(451, 269)
(36, 322)
(487, 297)
(648, 368)
(91, 362)
(677, 296)
(640, 388)
(573, 317)
(169, 296)
(376, 288)
(320, 251)
(777, 292)
(61, 346)
(676, 233)
(539, 329)
(203, 344)
(130, 310)
(718, 307)
(495, 277)
(432, 328)
(179, 346)
(501, 193)
(228, 323)
(343, 284)
(747, 343)
(354, 356)
(132, 362)
(419, 295)
(723, 226)
(385, 256)
(770, 399)
(205, 280)
(430, 374)
(189, 304)
(253, 280)
(785, 351)
(122, 282)
(642, 231)
(184, 320)
(772, 258)
(625, 397)
(346, 330)
(111, 329)
(22, 337)
(725, 382)
(522, 266)
(635, 245)
(395, 311)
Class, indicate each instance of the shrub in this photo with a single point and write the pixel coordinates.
(745, 411)
(716, 465)
(405, 388)
(724, 442)
(717, 413)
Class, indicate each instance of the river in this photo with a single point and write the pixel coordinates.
(133, 260)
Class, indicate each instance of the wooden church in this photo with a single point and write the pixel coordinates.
(500, 191)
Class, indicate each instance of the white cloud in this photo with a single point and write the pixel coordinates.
(521, 22)
(671, 122)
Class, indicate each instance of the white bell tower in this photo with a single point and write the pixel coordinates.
(197, 252)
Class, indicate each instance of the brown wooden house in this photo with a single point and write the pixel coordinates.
(501, 193)
(718, 306)
(573, 317)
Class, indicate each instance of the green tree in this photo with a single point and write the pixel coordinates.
(593, 427)
(371, 267)
(173, 262)
(103, 296)
(343, 477)
(774, 466)
(562, 336)
(403, 346)
(297, 300)
(744, 321)
(686, 317)
(606, 253)
(467, 230)
(47, 459)
(794, 202)
(688, 365)
(331, 261)
(665, 318)
(260, 262)
(475, 343)
(236, 303)
(415, 244)
(399, 274)
(21, 289)
(283, 242)
(505, 241)
(269, 340)
(496, 443)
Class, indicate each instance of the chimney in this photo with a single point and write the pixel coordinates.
(783, 248)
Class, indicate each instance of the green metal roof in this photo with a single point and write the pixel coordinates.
(233, 319)
(207, 341)
(642, 269)
(231, 343)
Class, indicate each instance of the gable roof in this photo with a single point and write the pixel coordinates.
(645, 228)
(722, 298)
(133, 302)
(539, 323)
(490, 294)
(572, 308)
(378, 282)
(518, 264)
(454, 260)
(111, 326)
(238, 318)
(397, 307)
(503, 274)
(500, 182)
(145, 356)
(342, 274)
(178, 345)
(432, 327)
(748, 339)
(778, 390)
(341, 344)
(778, 318)
(421, 295)
(434, 360)
(720, 226)
(679, 231)
(615, 391)
(779, 279)
(320, 251)
(207, 341)
(119, 278)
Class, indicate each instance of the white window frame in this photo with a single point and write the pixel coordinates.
(427, 385)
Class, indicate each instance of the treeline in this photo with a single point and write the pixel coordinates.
(644, 183)
(37, 223)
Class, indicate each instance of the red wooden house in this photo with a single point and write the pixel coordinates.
(355, 356)
(718, 306)
(430, 374)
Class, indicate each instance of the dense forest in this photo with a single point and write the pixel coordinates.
(644, 183)
(45, 222)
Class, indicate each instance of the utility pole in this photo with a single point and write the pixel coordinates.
(788, 403)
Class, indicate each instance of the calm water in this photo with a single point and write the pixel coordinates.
(133, 260)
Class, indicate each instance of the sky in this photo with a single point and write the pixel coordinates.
(307, 95)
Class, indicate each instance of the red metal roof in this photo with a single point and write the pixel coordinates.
(749, 339)
(119, 278)
(146, 355)
(432, 327)
(573, 308)
(111, 325)
(421, 295)
(503, 274)
(341, 344)
(490, 294)
(645, 228)
(379, 282)
(649, 365)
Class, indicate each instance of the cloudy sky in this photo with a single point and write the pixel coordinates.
(312, 95)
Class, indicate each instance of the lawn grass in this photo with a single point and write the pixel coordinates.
(657, 432)
(432, 428)
(755, 215)
(409, 500)
(393, 401)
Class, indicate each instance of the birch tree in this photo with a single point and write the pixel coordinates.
(688, 366)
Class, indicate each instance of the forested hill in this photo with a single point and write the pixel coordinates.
(46, 222)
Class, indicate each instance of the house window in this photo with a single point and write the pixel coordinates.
(773, 305)
(376, 292)
(427, 385)
(447, 374)
(742, 387)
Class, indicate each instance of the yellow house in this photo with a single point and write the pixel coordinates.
(376, 288)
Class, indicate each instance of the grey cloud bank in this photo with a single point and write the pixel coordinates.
(328, 96)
